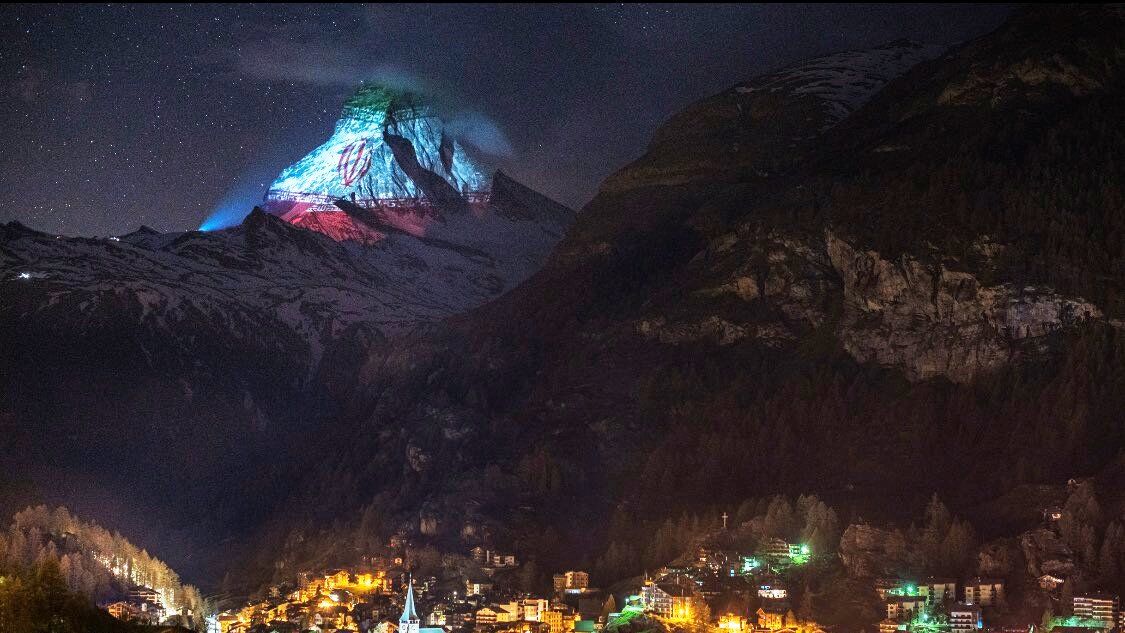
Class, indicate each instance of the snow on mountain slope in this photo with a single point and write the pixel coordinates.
(764, 125)
(389, 223)
(267, 269)
(844, 81)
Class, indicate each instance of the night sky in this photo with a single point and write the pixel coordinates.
(118, 116)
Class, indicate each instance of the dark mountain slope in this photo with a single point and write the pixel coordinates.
(166, 384)
(871, 317)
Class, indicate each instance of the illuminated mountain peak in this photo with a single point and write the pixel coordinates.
(377, 101)
(389, 150)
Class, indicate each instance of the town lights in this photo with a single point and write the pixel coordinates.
(731, 622)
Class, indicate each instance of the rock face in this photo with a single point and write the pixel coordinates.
(998, 559)
(868, 551)
(1046, 553)
(926, 320)
(930, 320)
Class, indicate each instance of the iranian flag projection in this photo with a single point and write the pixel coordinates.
(356, 164)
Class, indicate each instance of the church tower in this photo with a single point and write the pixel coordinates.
(409, 623)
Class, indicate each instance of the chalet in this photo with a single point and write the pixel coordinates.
(1049, 582)
(771, 617)
(122, 610)
(494, 614)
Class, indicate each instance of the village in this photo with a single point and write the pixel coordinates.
(720, 591)
(721, 577)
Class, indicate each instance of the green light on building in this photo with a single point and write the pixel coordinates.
(633, 606)
(749, 564)
(926, 623)
(1074, 621)
(799, 554)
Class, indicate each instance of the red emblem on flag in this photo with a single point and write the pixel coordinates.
(354, 162)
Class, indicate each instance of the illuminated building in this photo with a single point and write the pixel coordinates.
(531, 609)
(121, 610)
(494, 614)
(732, 623)
(226, 621)
(408, 622)
(772, 618)
(496, 559)
(1097, 606)
(372, 582)
(776, 548)
(772, 588)
(964, 618)
(984, 591)
(780, 552)
(1049, 582)
(895, 587)
(904, 607)
(477, 587)
(669, 600)
(336, 579)
(571, 581)
(724, 562)
(938, 590)
(554, 620)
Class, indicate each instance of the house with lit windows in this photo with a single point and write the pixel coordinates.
(670, 600)
(986, 592)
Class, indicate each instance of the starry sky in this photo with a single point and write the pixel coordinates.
(116, 116)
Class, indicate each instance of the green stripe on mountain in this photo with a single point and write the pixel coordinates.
(377, 99)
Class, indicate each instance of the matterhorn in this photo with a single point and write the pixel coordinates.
(393, 166)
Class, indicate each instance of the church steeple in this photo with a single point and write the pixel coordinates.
(409, 623)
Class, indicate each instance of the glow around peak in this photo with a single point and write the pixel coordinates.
(245, 192)
(224, 216)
